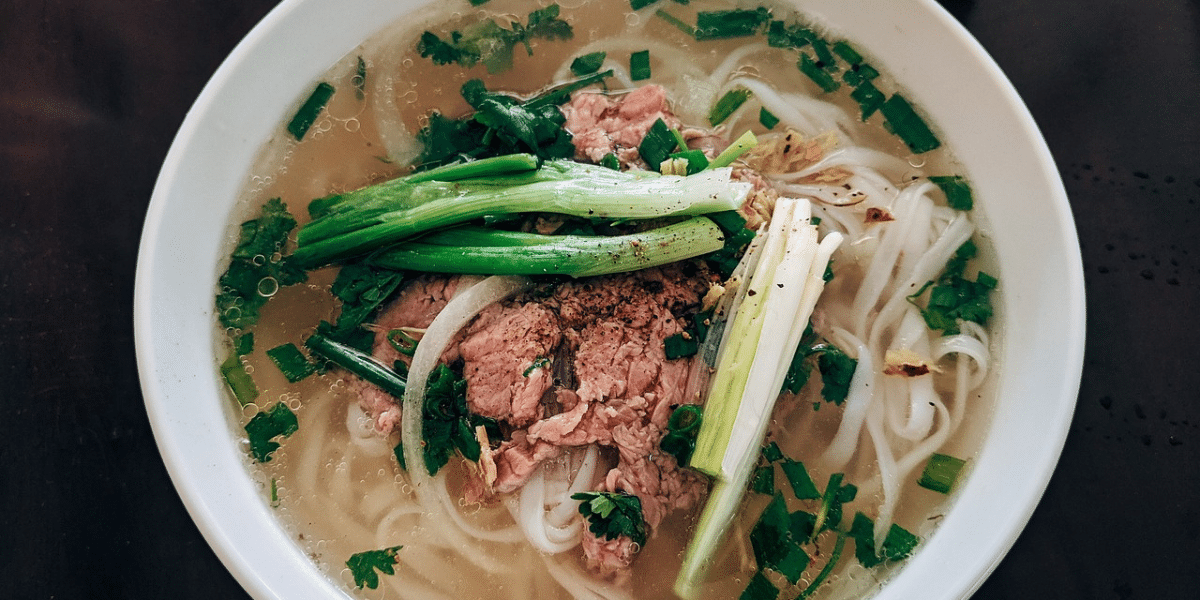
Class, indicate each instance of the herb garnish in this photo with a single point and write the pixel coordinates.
(307, 114)
(255, 270)
(954, 297)
(639, 65)
(588, 63)
(235, 373)
(612, 514)
(491, 44)
(276, 421)
(682, 427)
(941, 473)
(447, 424)
(835, 366)
(730, 102)
(364, 564)
(291, 362)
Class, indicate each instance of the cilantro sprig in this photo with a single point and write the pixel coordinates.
(954, 297)
(264, 427)
(255, 273)
(780, 536)
(612, 514)
(835, 366)
(364, 564)
(447, 424)
(491, 44)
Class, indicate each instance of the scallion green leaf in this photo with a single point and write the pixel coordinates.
(728, 103)
(639, 65)
(307, 114)
(941, 473)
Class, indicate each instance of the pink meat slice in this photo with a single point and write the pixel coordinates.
(602, 124)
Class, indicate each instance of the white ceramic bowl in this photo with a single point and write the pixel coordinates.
(944, 71)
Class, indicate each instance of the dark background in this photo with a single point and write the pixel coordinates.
(92, 92)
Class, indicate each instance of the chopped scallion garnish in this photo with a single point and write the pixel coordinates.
(291, 362)
(941, 473)
(307, 115)
(639, 65)
(904, 121)
(730, 102)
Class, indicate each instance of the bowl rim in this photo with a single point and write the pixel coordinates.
(289, 572)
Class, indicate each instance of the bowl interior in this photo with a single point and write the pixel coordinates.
(946, 73)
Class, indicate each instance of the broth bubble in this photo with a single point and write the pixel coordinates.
(267, 286)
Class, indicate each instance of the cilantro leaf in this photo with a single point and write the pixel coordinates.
(612, 514)
(759, 588)
(773, 543)
(254, 272)
(955, 297)
(364, 564)
(491, 44)
(362, 288)
(802, 484)
(836, 367)
(447, 424)
(276, 421)
(291, 362)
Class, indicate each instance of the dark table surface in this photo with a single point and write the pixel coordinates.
(92, 92)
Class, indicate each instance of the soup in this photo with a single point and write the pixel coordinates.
(844, 450)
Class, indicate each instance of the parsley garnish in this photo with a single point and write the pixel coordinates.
(254, 272)
(779, 537)
(612, 515)
(491, 44)
(276, 421)
(364, 564)
(898, 544)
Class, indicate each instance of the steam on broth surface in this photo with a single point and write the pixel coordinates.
(336, 481)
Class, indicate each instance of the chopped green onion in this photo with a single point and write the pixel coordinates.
(697, 161)
(640, 4)
(958, 192)
(588, 63)
(728, 103)
(244, 344)
(941, 473)
(847, 52)
(819, 75)
(723, 24)
(674, 21)
(611, 161)
(767, 119)
(906, 123)
(869, 98)
(859, 74)
(307, 115)
(360, 79)
(639, 65)
(358, 363)
(291, 362)
(240, 382)
(657, 145)
(403, 343)
(739, 147)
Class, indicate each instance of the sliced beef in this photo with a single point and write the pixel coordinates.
(508, 385)
(417, 304)
(602, 124)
